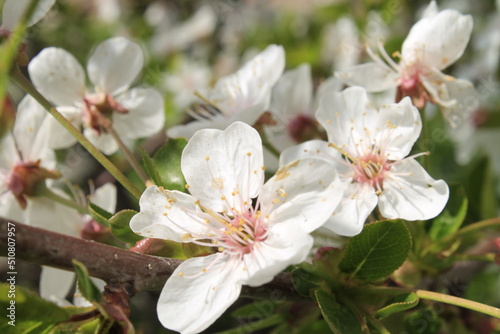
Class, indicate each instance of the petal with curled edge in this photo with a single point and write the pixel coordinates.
(373, 77)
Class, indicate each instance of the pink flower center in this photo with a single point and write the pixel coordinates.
(25, 178)
(241, 234)
(411, 85)
(303, 128)
(371, 169)
(97, 111)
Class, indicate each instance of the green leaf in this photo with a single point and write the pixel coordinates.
(398, 304)
(422, 321)
(87, 288)
(27, 311)
(149, 167)
(99, 214)
(120, 226)
(453, 215)
(168, 163)
(339, 317)
(377, 251)
(250, 327)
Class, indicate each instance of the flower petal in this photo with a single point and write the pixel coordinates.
(224, 168)
(55, 284)
(285, 245)
(105, 197)
(31, 134)
(145, 115)
(58, 76)
(373, 77)
(304, 192)
(439, 39)
(169, 215)
(293, 92)
(14, 9)
(115, 64)
(400, 126)
(103, 142)
(250, 87)
(351, 214)
(191, 304)
(410, 193)
(348, 117)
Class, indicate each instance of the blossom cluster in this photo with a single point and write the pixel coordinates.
(272, 160)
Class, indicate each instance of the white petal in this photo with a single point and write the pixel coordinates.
(104, 142)
(250, 87)
(31, 133)
(10, 209)
(332, 84)
(304, 192)
(349, 118)
(44, 213)
(219, 122)
(190, 305)
(351, 214)
(456, 97)
(401, 125)
(55, 284)
(440, 39)
(224, 168)
(413, 194)
(58, 76)
(168, 215)
(9, 157)
(145, 115)
(371, 76)
(286, 244)
(431, 10)
(317, 149)
(60, 137)
(292, 94)
(105, 197)
(14, 9)
(115, 64)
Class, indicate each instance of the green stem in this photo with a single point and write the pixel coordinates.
(488, 257)
(128, 155)
(47, 193)
(479, 225)
(424, 137)
(25, 84)
(469, 304)
(267, 144)
(376, 323)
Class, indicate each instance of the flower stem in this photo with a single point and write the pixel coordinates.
(47, 193)
(424, 137)
(479, 225)
(128, 155)
(267, 144)
(25, 84)
(452, 300)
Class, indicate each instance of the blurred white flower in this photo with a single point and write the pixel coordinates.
(241, 96)
(132, 112)
(435, 42)
(13, 10)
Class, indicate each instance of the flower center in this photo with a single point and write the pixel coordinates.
(411, 85)
(371, 169)
(303, 128)
(25, 178)
(97, 111)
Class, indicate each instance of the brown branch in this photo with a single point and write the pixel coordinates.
(112, 264)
